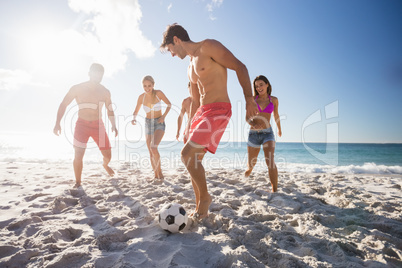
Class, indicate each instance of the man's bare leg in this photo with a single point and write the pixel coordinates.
(197, 197)
(269, 152)
(78, 164)
(107, 156)
(195, 187)
(191, 158)
(252, 159)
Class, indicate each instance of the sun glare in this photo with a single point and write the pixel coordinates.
(52, 52)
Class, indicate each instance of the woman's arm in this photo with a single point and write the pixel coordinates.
(276, 115)
(137, 109)
(162, 96)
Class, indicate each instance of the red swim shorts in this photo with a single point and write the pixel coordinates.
(95, 129)
(209, 124)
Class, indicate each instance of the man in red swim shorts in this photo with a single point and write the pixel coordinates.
(90, 96)
(210, 108)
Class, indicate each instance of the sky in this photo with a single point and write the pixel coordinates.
(335, 66)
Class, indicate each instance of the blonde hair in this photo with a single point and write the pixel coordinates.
(148, 78)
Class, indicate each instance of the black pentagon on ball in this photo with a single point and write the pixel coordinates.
(182, 226)
(170, 219)
(182, 211)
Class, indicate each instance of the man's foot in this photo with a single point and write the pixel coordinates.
(247, 173)
(193, 213)
(108, 170)
(203, 207)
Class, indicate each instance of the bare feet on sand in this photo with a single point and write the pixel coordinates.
(108, 170)
(202, 211)
(161, 178)
(247, 173)
(77, 184)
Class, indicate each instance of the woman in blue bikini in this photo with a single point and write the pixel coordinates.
(261, 131)
(151, 100)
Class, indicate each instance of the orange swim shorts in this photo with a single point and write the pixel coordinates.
(95, 129)
(209, 124)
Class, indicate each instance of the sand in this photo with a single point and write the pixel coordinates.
(314, 220)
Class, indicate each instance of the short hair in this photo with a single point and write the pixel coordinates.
(148, 78)
(263, 78)
(171, 31)
(96, 68)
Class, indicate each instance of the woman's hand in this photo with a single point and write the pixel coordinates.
(134, 122)
(161, 119)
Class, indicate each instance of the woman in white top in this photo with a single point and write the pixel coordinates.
(151, 100)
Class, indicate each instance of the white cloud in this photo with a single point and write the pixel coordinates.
(169, 7)
(112, 31)
(15, 79)
(214, 4)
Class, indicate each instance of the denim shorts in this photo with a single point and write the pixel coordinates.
(256, 138)
(151, 124)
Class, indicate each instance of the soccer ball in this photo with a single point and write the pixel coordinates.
(173, 218)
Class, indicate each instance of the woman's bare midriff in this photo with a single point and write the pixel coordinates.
(261, 123)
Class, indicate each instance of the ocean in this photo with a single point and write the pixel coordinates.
(348, 158)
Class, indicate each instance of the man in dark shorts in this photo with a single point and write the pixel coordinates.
(90, 96)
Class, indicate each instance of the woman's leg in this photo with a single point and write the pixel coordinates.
(269, 152)
(155, 141)
(148, 139)
(252, 159)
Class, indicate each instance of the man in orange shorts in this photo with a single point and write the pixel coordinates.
(210, 109)
(90, 97)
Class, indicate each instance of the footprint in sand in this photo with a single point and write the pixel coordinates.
(33, 197)
(60, 203)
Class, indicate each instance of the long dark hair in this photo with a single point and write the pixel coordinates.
(263, 78)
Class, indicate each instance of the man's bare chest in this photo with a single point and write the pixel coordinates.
(202, 66)
(94, 97)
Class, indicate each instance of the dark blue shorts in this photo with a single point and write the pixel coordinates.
(152, 124)
(256, 138)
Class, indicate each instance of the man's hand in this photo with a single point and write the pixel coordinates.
(251, 108)
(116, 132)
(185, 136)
(57, 130)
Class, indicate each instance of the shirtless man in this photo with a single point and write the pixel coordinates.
(185, 109)
(90, 97)
(210, 108)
